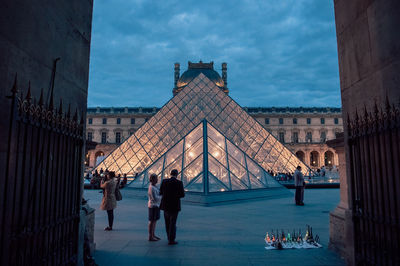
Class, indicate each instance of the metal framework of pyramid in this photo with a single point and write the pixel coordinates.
(200, 100)
(208, 162)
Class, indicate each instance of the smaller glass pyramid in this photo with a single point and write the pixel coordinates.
(208, 162)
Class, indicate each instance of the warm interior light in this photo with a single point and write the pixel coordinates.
(216, 154)
(222, 189)
(191, 154)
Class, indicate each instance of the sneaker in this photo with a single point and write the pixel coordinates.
(172, 243)
(108, 228)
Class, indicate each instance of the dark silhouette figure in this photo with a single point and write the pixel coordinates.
(172, 191)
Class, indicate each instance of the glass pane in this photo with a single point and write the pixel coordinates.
(156, 167)
(197, 185)
(218, 170)
(217, 152)
(174, 153)
(256, 182)
(193, 152)
(237, 169)
(215, 136)
(177, 164)
(254, 168)
(235, 153)
(137, 182)
(193, 136)
(237, 184)
(214, 185)
(192, 170)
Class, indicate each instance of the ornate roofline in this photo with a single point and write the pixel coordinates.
(200, 64)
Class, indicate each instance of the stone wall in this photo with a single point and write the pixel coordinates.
(369, 51)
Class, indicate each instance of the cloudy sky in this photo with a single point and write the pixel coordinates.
(279, 52)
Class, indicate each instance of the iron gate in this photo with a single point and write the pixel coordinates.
(41, 195)
(374, 145)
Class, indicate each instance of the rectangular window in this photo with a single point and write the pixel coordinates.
(118, 121)
(90, 121)
(103, 137)
(336, 121)
(295, 137)
(282, 137)
(309, 137)
(90, 136)
(281, 121)
(323, 136)
(131, 133)
(146, 119)
(308, 121)
(322, 120)
(132, 121)
(267, 121)
(295, 121)
(104, 121)
(118, 137)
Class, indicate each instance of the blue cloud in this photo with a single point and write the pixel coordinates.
(279, 53)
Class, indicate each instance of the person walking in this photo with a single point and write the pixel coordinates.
(299, 185)
(109, 202)
(171, 191)
(154, 206)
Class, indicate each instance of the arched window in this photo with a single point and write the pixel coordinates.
(314, 159)
(328, 160)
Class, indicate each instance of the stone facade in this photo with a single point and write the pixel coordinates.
(303, 130)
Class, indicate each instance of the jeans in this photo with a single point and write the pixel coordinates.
(170, 224)
(299, 194)
(110, 214)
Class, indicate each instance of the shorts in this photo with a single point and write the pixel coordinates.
(154, 214)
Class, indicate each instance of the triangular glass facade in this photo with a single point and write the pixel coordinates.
(200, 99)
(208, 162)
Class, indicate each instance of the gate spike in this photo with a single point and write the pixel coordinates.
(51, 104)
(365, 114)
(60, 108)
(14, 89)
(75, 117)
(376, 110)
(81, 122)
(388, 106)
(40, 103)
(28, 94)
(68, 114)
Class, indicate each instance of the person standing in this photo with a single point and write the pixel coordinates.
(171, 191)
(299, 185)
(154, 207)
(109, 202)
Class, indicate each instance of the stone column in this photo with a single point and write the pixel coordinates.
(369, 65)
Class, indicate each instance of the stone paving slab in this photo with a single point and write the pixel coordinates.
(231, 234)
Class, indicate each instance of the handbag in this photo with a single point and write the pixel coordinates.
(118, 195)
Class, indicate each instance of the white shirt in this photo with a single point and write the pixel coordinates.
(154, 196)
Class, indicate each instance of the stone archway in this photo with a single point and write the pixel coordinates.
(314, 159)
(99, 155)
(329, 159)
(301, 155)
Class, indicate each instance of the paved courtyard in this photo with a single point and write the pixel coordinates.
(231, 234)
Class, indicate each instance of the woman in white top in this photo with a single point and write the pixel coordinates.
(154, 206)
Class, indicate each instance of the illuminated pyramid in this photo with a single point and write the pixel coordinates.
(201, 99)
(210, 163)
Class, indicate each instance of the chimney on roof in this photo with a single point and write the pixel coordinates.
(225, 76)
(176, 77)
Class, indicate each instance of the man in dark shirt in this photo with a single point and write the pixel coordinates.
(172, 191)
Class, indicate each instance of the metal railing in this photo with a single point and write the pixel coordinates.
(374, 145)
(41, 197)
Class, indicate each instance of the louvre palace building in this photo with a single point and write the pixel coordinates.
(302, 130)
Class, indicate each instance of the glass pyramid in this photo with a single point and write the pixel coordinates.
(208, 162)
(200, 100)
